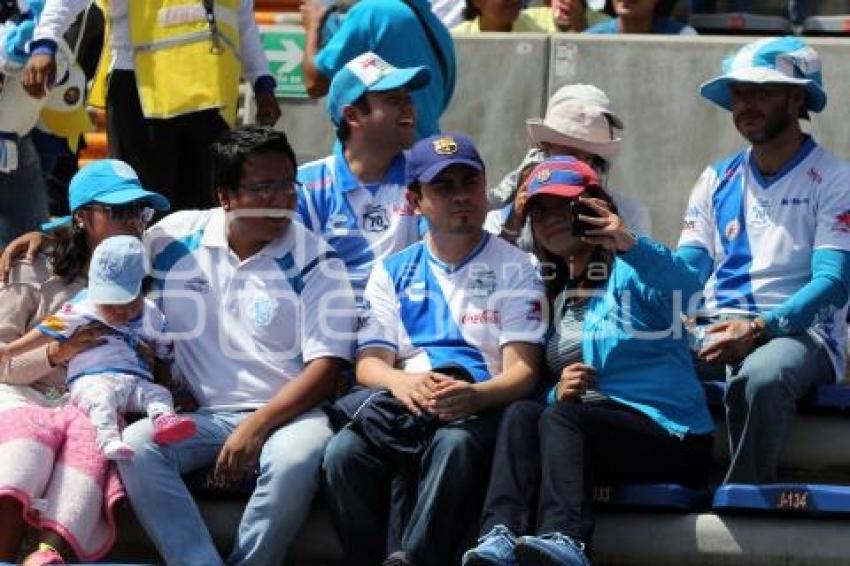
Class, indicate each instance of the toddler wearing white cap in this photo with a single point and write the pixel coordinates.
(116, 376)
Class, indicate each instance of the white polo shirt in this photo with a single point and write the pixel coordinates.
(243, 329)
(433, 315)
(761, 233)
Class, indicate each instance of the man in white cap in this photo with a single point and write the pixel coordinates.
(768, 229)
(581, 123)
(356, 198)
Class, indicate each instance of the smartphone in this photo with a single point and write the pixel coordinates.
(580, 227)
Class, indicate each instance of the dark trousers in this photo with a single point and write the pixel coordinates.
(433, 517)
(171, 156)
(547, 458)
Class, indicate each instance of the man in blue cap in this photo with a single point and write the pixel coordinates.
(460, 302)
(768, 231)
(405, 33)
(355, 199)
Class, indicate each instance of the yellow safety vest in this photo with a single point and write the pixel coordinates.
(181, 65)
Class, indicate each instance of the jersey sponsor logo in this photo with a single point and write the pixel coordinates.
(535, 310)
(794, 201)
(482, 282)
(197, 284)
(842, 223)
(815, 176)
(486, 316)
(364, 314)
(375, 218)
(733, 228)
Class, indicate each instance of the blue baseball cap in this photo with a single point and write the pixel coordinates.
(430, 156)
(773, 60)
(369, 73)
(106, 181)
(118, 266)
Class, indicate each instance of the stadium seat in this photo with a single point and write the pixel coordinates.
(830, 395)
(656, 495)
(740, 23)
(827, 25)
(811, 499)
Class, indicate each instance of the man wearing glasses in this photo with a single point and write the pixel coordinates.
(262, 317)
(356, 198)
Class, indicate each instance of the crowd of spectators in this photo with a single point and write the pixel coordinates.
(380, 322)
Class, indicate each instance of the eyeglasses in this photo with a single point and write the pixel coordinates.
(268, 189)
(124, 212)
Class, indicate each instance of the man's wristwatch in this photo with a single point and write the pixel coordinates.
(759, 331)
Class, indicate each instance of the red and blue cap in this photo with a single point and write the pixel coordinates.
(562, 176)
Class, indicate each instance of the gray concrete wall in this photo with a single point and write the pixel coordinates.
(671, 132)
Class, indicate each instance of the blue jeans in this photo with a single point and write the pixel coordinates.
(761, 402)
(23, 195)
(289, 478)
(452, 478)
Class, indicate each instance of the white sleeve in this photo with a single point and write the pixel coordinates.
(328, 313)
(698, 225)
(522, 303)
(251, 53)
(832, 210)
(57, 17)
(379, 322)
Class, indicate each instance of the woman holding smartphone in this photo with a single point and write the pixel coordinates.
(625, 405)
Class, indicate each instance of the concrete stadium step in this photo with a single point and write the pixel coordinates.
(621, 538)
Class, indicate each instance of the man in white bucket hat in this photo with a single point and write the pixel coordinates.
(579, 122)
(769, 231)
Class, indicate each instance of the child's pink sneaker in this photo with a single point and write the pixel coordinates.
(45, 554)
(171, 428)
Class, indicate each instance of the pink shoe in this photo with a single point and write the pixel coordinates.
(46, 555)
(171, 428)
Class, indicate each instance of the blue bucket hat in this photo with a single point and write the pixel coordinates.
(369, 73)
(118, 266)
(106, 181)
(773, 60)
(430, 156)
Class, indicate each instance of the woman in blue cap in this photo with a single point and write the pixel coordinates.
(50, 468)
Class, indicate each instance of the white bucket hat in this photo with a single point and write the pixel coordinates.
(579, 116)
(774, 60)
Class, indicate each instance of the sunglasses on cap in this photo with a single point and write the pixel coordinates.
(123, 212)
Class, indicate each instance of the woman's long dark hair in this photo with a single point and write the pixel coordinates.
(70, 253)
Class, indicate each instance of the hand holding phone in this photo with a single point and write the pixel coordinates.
(579, 226)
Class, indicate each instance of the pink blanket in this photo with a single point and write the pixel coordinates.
(50, 463)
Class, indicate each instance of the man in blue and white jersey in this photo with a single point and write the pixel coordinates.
(262, 316)
(355, 199)
(768, 229)
(461, 299)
